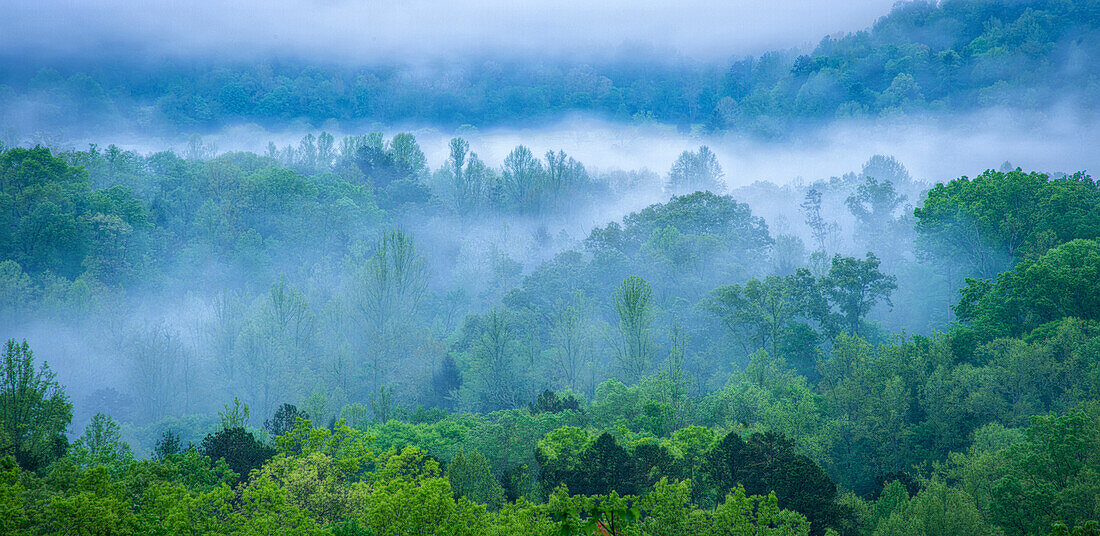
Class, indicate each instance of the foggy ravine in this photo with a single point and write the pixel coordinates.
(333, 268)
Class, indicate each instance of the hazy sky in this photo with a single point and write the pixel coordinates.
(414, 30)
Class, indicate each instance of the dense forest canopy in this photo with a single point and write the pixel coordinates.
(345, 335)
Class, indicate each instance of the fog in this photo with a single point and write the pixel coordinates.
(934, 147)
(190, 306)
(422, 30)
(462, 253)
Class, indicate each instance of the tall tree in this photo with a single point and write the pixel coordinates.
(495, 355)
(34, 410)
(634, 305)
(854, 286)
(391, 287)
(874, 204)
(761, 310)
(571, 343)
(523, 180)
(820, 230)
(767, 463)
(696, 172)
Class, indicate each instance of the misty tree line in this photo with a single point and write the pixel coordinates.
(303, 275)
(922, 56)
(680, 343)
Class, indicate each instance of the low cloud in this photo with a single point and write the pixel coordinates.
(411, 31)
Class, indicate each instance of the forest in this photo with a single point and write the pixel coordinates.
(922, 57)
(344, 336)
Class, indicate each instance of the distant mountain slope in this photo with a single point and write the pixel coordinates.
(923, 56)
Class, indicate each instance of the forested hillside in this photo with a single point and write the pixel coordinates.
(843, 289)
(686, 370)
(948, 56)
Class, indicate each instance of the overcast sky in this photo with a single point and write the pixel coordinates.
(418, 30)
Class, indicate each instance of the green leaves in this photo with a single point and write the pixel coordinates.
(34, 410)
(1063, 282)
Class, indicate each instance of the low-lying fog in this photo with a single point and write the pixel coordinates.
(934, 149)
(461, 252)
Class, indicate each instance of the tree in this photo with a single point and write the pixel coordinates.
(446, 381)
(391, 286)
(820, 229)
(550, 402)
(160, 370)
(604, 467)
(874, 204)
(408, 159)
(471, 477)
(167, 445)
(936, 510)
(102, 444)
(495, 354)
(523, 180)
(696, 172)
(767, 463)
(571, 343)
(997, 218)
(467, 191)
(760, 309)
(34, 410)
(1049, 477)
(239, 448)
(1064, 282)
(854, 286)
(284, 419)
(633, 304)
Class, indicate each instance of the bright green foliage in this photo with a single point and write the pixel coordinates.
(102, 444)
(34, 411)
(1090, 528)
(998, 218)
(1063, 282)
(349, 448)
(409, 495)
(756, 515)
(471, 477)
(936, 510)
(1051, 476)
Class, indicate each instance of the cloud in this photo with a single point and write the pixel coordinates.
(422, 30)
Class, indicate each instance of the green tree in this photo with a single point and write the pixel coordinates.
(767, 463)
(854, 287)
(471, 477)
(634, 305)
(239, 448)
(34, 410)
(102, 444)
(937, 509)
(1063, 282)
(759, 311)
(997, 218)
